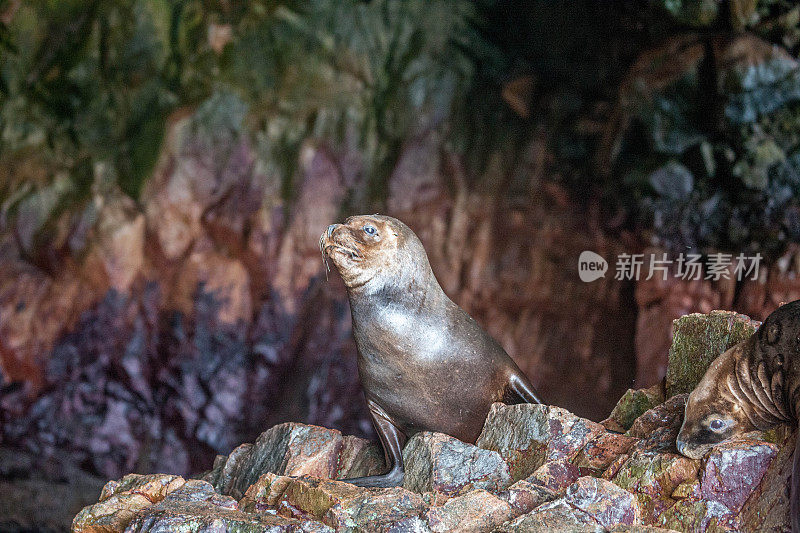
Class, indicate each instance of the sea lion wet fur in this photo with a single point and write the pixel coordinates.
(755, 385)
(424, 364)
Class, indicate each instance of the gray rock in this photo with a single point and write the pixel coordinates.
(605, 502)
(473, 512)
(527, 435)
(554, 516)
(443, 464)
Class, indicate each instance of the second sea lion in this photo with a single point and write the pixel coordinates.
(424, 364)
(755, 385)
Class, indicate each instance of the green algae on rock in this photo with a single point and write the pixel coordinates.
(632, 405)
(697, 340)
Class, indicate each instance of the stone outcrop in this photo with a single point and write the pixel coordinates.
(534, 468)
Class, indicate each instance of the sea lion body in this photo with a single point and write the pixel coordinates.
(754, 385)
(424, 364)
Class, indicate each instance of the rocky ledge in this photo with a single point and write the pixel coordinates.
(534, 468)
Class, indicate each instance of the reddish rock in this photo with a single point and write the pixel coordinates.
(474, 512)
(767, 508)
(603, 450)
(658, 427)
(527, 435)
(604, 501)
(524, 497)
(359, 458)
(555, 475)
(289, 449)
(733, 470)
(443, 464)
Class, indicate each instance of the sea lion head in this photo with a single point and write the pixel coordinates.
(778, 338)
(713, 413)
(371, 251)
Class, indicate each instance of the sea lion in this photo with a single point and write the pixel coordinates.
(754, 385)
(424, 364)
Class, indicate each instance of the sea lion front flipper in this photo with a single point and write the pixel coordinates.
(392, 440)
(794, 494)
(520, 387)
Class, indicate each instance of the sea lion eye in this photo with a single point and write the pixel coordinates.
(717, 424)
(369, 229)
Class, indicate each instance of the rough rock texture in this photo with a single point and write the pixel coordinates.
(294, 450)
(526, 435)
(572, 474)
(604, 501)
(554, 516)
(440, 463)
(475, 511)
(697, 340)
(632, 404)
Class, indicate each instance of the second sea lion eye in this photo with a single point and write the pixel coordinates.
(717, 424)
(369, 229)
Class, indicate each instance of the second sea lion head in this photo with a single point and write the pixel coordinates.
(373, 250)
(713, 413)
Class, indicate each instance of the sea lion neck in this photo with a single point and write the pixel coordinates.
(412, 292)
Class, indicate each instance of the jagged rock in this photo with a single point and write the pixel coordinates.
(733, 469)
(443, 464)
(196, 507)
(113, 514)
(555, 475)
(121, 500)
(653, 477)
(695, 514)
(527, 435)
(154, 487)
(554, 516)
(524, 497)
(631, 406)
(473, 512)
(337, 504)
(359, 458)
(603, 450)
(697, 340)
(383, 510)
(604, 501)
(265, 493)
(289, 449)
(658, 427)
(767, 509)
(310, 497)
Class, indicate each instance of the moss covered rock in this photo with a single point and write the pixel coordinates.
(697, 340)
